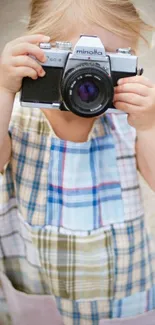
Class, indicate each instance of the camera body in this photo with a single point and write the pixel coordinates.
(82, 80)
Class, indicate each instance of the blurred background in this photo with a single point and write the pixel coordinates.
(14, 14)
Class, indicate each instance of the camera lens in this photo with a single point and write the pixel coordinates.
(87, 90)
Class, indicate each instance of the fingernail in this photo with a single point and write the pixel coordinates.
(42, 73)
(44, 58)
(119, 81)
(46, 38)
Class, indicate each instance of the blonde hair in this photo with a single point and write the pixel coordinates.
(60, 18)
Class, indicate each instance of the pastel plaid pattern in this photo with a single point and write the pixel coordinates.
(125, 138)
(71, 271)
(79, 185)
(30, 160)
(29, 271)
(123, 261)
(19, 258)
(71, 221)
(83, 312)
(95, 200)
(134, 259)
(138, 303)
(104, 186)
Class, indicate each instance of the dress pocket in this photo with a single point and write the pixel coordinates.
(78, 266)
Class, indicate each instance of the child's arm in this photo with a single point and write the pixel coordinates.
(145, 149)
(15, 64)
(6, 101)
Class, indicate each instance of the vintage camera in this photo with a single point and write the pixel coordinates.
(82, 80)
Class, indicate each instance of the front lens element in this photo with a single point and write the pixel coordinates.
(88, 91)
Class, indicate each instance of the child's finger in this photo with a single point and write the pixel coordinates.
(26, 61)
(26, 72)
(33, 39)
(134, 88)
(137, 79)
(132, 99)
(125, 107)
(27, 48)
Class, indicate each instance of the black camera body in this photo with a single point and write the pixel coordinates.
(82, 80)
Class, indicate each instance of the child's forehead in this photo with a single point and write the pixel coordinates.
(110, 40)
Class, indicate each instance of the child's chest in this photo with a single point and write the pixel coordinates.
(78, 186)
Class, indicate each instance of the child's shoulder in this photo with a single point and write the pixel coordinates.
(27, 119)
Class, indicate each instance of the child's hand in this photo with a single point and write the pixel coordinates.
(15, 64)
(136, 96)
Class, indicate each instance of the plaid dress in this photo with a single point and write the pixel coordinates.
(72, 223)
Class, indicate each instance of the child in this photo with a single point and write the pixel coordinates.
(74, 246)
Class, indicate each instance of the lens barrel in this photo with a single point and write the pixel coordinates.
(87, 90)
